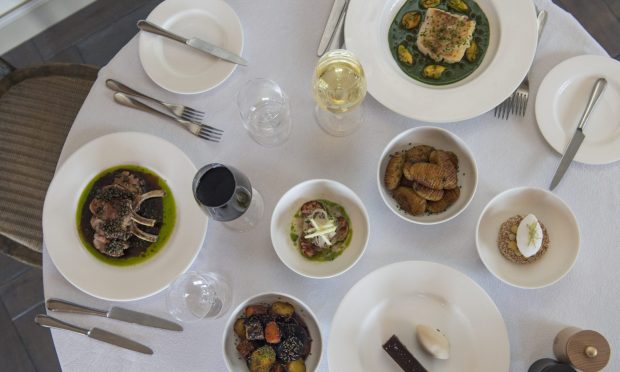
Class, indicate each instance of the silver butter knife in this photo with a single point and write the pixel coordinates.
(579, 136)
(335, 16)
(94, 333)
(193, 42)
(117, 313)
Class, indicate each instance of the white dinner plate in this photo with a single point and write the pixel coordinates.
(180, 68)
(562, 98)
(60, 230)
(510, 53)
(394, 299)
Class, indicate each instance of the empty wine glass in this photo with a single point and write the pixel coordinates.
(226, 195)
(265, 111)
(194, 296)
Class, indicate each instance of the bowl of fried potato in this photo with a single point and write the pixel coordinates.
(427, 175)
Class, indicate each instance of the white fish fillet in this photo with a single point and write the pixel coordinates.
(445, 36)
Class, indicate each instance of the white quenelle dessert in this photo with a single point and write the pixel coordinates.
(523, 240)
(529, 236)
(433, 341)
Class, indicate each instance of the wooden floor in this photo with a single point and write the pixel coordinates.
(94, 35)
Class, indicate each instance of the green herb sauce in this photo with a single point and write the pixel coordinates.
(139, 250)
(454, 72)
(329, 253)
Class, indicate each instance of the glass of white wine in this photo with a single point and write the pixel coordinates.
(339, 87)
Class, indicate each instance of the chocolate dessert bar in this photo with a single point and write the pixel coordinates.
(402, 356)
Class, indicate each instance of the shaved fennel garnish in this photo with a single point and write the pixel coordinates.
(321, 228)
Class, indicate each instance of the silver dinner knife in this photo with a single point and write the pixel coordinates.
(579, 136)
(331, 25)
(338, 38)
(94, 333)
(193, 42)
(117, 313)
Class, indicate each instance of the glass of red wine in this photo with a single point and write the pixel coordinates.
(226, 195)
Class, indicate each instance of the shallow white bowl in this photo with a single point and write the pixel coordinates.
(443, 140)
(561, 226)
(236, 363)
(290, 203)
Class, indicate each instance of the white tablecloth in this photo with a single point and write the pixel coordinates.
(281, 39)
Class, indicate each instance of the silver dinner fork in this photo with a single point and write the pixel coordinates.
(517, 102)
(180, 111)
(201, 130)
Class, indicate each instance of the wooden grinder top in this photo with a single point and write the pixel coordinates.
(588, 351)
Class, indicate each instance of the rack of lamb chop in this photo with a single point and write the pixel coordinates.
(115, 214)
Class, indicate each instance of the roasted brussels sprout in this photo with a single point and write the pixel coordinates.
(458, 5)
(296, 366)
(471, 53)
(411, 20)
(283, 309)
(278, 368)
(239, 327)
(404, 55)
(262, 359)
(433, 71)
(429, 3)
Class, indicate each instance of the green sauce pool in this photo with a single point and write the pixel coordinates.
(454, 72)
(162, 209)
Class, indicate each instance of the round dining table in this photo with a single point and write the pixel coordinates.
(280, 43)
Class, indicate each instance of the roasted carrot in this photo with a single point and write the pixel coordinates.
(272, 333)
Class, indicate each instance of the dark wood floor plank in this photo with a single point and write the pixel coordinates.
(69, 55)
(24, 55)
(37, 341)
(9, 269)
(101, 46)
(74, 28)
(13, 355)
(597, 18)
(23, 292)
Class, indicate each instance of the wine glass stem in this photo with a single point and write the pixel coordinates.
(340, 124)
(251, 216)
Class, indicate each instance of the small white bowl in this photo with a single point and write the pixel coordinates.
(561, 226)
(290, 203)
(440, 139)
(236, 363)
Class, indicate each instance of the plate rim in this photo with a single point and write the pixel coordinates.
(492, 100)
(396, 266)
(47, 204)
(543, 104)
(143, 52)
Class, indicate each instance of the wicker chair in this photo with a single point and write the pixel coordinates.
(37, 108)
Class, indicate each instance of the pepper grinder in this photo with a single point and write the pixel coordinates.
(586, 350)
